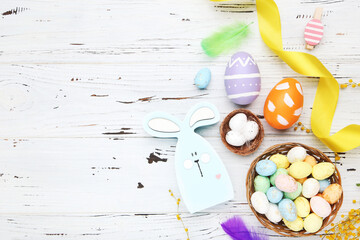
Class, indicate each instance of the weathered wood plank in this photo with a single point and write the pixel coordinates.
(48, 175)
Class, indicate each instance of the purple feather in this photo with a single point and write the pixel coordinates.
(237, 230)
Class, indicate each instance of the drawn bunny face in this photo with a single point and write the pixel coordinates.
(202, 178)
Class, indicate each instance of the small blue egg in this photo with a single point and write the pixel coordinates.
(265, 168)
(274, 195)
(324, 184)
(287, 209)
(202, 78)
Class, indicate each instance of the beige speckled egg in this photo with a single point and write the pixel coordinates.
(260, 202)
(332, 193)
(286, 183)
(320, 206)
(296, 225)
(296, 154)
(313, 223)
(280, 160)
(300, 170)
(323, 170)
(273, 214)
(311, 187)
(310, 160)
(302, 207)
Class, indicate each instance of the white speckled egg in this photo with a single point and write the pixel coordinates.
(311, 187)
(242, 79)
(260, 202)
(296, 154)
(238, 122)
(235, 139)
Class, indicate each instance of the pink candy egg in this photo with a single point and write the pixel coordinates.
(286, 183)
(320, 206)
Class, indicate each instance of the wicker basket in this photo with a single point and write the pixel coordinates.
(247, 148)
(283, 149)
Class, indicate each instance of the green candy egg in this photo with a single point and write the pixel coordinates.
(295, 194)
(278, 172)
(261, 184)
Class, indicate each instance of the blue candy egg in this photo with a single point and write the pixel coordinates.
(274, 195)
(202, 78)
(265, 168)
(287, 209)
(324, 184)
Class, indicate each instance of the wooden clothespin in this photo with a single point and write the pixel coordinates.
(314, 30)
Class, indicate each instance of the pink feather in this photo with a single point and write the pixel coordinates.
(237, 230)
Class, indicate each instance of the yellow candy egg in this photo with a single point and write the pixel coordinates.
(323, 170)
(280, 160)
(296, 225)
(300, 170)
(310, 160)
(302, 207)
(313, 223)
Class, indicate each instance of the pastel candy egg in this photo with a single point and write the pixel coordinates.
(320, 206)
(300, 170)
(313, 223)
(323, 170)
(324, 184)
(280, 160)
(261, 184)
(296, 154)
(242, 79)
(310, 160)
(277, 173)
(286, 183)
(251, 130)
(284, 104)
(296, 225)
(273, 213)
(274, 195)
(294, 195)
(301, 180)
(202, 78)
(234, 138)
(302, 207)
(260, 202)
(265, 168)
(311, 187)
(238, 122)
(332, 193)
(287, 209)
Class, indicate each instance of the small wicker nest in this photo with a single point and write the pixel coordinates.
(283, 149)
(248, 147)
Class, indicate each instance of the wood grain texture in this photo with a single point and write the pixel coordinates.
(76, 80)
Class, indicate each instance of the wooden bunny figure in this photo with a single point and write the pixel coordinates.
(202, 177)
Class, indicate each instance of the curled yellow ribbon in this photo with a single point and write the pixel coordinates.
(327, 92)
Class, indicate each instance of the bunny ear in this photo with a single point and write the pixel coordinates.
(162, 125)
(202, 114)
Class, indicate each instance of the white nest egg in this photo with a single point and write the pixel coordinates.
(251, 130)
(238, 122)
(235, 139)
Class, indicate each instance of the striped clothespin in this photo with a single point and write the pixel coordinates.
(314, 30)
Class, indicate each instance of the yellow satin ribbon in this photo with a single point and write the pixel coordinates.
(306, 64)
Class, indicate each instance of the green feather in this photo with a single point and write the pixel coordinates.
(228, 38)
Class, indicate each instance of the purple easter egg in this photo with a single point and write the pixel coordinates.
(242, 79)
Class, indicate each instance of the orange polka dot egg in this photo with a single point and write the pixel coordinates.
(283, 105)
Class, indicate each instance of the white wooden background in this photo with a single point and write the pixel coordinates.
(76, 79)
